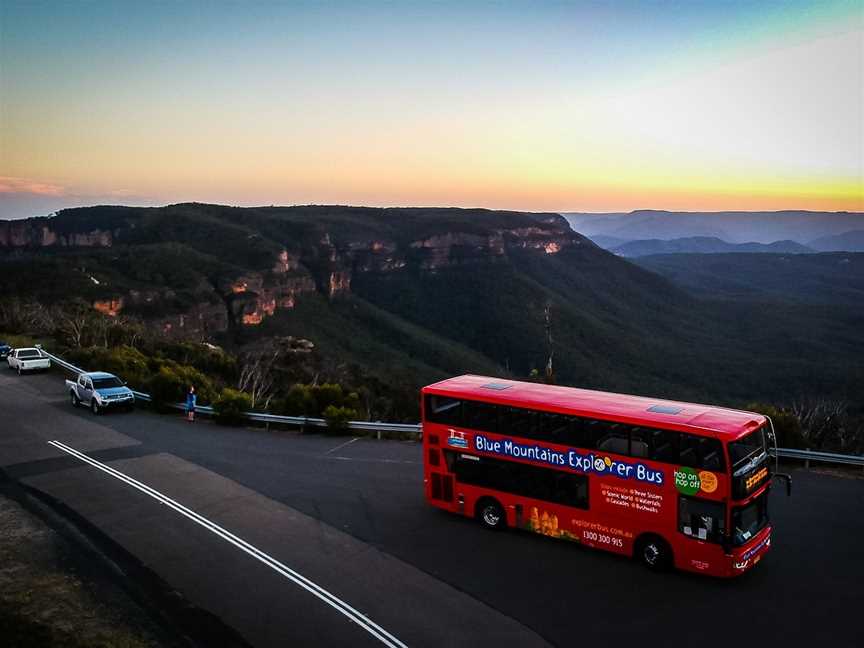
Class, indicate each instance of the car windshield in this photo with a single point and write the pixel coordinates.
(107, 383)
(748, 520)
(751, 446)
(29, 353)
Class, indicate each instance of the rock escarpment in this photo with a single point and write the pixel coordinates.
(267, 259)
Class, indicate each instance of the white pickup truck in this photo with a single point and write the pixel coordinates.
(99, 391)
(28, 359)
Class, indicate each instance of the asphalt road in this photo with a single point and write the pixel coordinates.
(349, 515)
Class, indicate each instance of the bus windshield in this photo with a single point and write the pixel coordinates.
(748, 448)
(748, 520)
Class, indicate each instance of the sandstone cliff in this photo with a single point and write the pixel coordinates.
(267, 259)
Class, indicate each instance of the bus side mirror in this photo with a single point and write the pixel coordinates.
(788, 479)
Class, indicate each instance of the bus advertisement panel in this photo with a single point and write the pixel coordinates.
(549, 461)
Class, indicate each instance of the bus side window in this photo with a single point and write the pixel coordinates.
(450, 460)
(480, 416)
(554, 427)
(444, 410)
(701, 452)
(711, 454)
(471, 471)
(640, 442)
(575, 433)
(522, 422)
(571, 490)
(664, 445)
(498, 475)
(701, 519)
(615, 438)
(688, 455)
(591, 432)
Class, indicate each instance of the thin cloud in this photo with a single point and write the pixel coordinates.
(10, 184)
(24, 198)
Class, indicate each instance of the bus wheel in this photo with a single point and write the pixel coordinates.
(653, 552)
(491, 514)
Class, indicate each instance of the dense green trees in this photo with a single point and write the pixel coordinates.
(314, 400)
(786, 424)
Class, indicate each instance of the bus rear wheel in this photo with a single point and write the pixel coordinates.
(491, 514)
(654, 552)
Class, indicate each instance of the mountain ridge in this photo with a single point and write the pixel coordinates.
(703, 245)
(801, 226)
(403, 297)
(851, 241)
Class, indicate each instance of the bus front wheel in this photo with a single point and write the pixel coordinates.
(491, 514)
(654, 552)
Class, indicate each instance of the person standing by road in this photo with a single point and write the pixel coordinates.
(191, 399)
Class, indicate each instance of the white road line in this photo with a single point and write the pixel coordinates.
(341, 445)
(330, 599)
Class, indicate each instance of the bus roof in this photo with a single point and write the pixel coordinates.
(727, 423)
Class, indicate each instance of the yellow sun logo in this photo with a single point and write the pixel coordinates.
(608, 461)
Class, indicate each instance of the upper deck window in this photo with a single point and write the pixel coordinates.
(480, 416)
(748, 448)
(444, 410)
(586, 433)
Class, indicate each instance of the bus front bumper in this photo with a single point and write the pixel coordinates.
(745, 558)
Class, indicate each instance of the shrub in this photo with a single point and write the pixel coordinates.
(326, 395)
(298, 401)
(315, 400)
(337, 418)
(212, 360)
(230, 405)
(171, 382)
(786, 424)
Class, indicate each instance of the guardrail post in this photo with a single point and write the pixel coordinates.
(807, 461)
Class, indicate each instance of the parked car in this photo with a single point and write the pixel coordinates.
(5, 350)
(27, 359)
(100, 391)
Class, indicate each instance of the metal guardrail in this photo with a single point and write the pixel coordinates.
(414, 428)
(263, 417)
(825, 457)
(61, 362)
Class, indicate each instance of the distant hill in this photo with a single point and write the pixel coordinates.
(828, 279)
(608, 242)
(703, 245)
(846, 242)
(734, 227)
(403, 297)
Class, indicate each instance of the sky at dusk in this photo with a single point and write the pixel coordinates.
(565, 106)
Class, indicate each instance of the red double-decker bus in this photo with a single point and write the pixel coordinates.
(666, 482)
